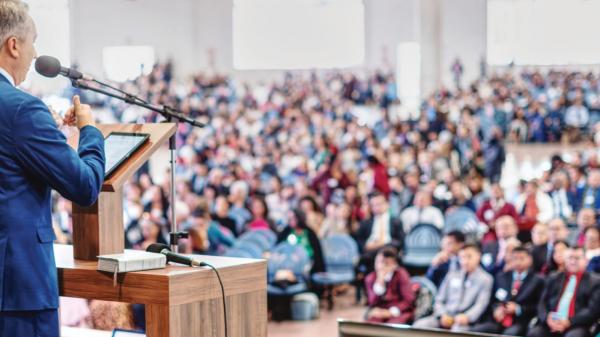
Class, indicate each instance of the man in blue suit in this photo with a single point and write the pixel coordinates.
(34, 159)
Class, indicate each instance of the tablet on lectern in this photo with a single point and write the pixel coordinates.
(118, 146)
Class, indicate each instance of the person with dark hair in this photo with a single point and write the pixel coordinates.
(570, 303)
(557, 260)
(515, 297)
(495, 252)
(463, 296)
(298, 233)
(447, 258)
(556, 230)
(492, 209)
(221, 215)
(260, 214)
(389, 292)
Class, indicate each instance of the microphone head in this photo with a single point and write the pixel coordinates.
(157, 248)
(47, 66)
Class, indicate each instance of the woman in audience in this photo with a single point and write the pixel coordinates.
(338, 220)
(389, 290)
(298, 233)
(557, 263)
(260, 215)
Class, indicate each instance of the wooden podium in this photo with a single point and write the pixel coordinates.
(180, 301)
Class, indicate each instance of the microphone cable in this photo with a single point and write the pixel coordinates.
(222, 293)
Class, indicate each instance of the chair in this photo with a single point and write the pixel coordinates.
(255, 251)
(265, 239)
(235, 252)
(465, 220)
(421, 245)
(425, 299)
(290, 257)
(255, 239)
(340, 253)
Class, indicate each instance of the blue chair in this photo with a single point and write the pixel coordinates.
(267, 234)
(255, 251)
(464, 220)
(235, 252)
(288, 257)
(255, 239)
(340, 253)
(421, 245)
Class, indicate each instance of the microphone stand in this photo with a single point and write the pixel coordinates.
(170, 114)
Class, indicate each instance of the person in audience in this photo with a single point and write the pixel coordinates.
(380, 230)
(422, 212)
(588, 196)
(260, 215)
(539, 235)
(221, 215)
(298, 233)
(586, 218)
(570, 303)
(238, 192)
(533, 206)
(562, 198)
(591, 242)
(447, 259)
(494, 253)
(542, 254)
(557, 262)
(463, 296)
(460, 196)
(492, 209)
(389, 291)
(515, 297)
(337, 221)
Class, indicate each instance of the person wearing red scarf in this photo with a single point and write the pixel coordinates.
(570, 303)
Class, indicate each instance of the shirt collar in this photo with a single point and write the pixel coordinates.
(5, 73)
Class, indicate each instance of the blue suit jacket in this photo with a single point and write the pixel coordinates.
(34, 159)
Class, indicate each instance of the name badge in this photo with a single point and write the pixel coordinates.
(486, 259)
(501, 294)
(589, 200)
(455, 283)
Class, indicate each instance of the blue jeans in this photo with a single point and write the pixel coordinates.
(39, 323)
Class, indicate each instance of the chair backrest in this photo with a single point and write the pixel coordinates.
(268, 234)
(340, 251)
(291, 257)
(236, 252)
(257, 239)
(422, 237)
(426, 292)
(251, 247)
(461, 219)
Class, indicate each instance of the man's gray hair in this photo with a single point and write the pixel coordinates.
(14, 20)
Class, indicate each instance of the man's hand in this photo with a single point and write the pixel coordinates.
(556, 325)
(511, 308)
(499, 314)
(446, 321)
(79, 114)
(439, 258)
(461, 319)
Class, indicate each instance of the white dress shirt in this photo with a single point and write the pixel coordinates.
(7, 75)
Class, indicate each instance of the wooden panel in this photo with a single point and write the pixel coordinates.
(172, 285)
(246, 317)
(98, 229)
(159, 134)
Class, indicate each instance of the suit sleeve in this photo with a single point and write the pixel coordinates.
(482, 300)
(588, 315)
(42, 150)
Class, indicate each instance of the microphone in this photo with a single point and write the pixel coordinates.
(50, 67)
(173, 257)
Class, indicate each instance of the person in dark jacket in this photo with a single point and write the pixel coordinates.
(570, 303)
(298, 233)
(515, 296)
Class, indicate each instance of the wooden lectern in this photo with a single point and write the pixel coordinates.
(180, 301)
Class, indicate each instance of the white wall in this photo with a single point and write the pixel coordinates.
(186, 30)
(463, 35)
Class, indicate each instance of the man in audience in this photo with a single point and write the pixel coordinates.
(389, 291)
(377, 232)
(515, 298)
(570, 303)
(562, 199)
(492, 209)
(447, 259)
(586, 218)
(542, 254)
(238, 193)
(591, 243)
(588, 196)
(494, 252)
(463, 296)
(422, 212)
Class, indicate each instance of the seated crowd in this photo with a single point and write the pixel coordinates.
(298, 159)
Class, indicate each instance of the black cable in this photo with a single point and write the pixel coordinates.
(222, 293)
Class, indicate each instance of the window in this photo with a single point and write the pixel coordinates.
(543, 32)
(123, 63)
(298, 34)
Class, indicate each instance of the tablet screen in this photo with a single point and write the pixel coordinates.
(119, 146)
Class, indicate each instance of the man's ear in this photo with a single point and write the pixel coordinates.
(12, 46)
